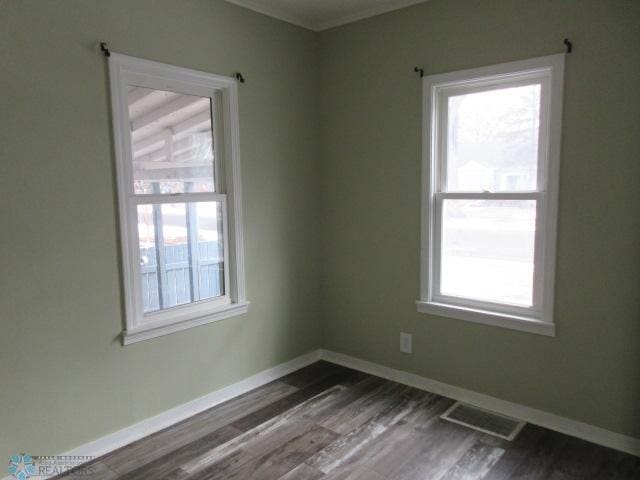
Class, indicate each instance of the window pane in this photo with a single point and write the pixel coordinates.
(492, 140)
(487, 250)
(181, 253)
(172, 142)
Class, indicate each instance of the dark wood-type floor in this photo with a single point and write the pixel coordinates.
(329, 422)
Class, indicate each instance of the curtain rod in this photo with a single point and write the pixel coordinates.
(107, 53)
(566, 41)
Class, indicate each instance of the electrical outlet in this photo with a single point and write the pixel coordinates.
(406, 342)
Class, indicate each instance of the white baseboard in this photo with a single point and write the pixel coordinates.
(151, 425)
(551, 421)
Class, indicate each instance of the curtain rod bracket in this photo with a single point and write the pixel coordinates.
(419, 71)
(568, 44)
(239, 77)
(105, 49)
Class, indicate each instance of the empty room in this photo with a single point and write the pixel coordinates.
(320, 239)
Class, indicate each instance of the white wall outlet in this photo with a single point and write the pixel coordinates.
(406, 342)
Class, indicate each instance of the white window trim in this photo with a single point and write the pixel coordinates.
(538, 319)
(125, 70)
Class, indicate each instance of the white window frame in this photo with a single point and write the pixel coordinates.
(125, 71)
(548, 71)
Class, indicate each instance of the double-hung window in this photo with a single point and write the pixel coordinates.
(491, 149)
(176, 140)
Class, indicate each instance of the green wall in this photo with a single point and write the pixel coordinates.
(371, 123)
(65, 377)
(330, 146)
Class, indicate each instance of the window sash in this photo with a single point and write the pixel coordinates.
(183, 312)
(166, 81)
(189, 197)
(436, 254)
(440, 192)
(177, 313)
(441, 121)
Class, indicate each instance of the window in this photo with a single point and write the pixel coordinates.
(490, 193)
(176, 138)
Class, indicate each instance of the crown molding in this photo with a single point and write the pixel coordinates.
(390, 6)
(268, 10)
(300, 21)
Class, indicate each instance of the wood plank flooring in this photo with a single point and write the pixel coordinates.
(332, 423)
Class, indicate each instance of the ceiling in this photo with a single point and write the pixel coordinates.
(323, 14)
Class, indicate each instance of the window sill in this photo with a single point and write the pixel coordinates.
(152, 331)
(513, 322)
